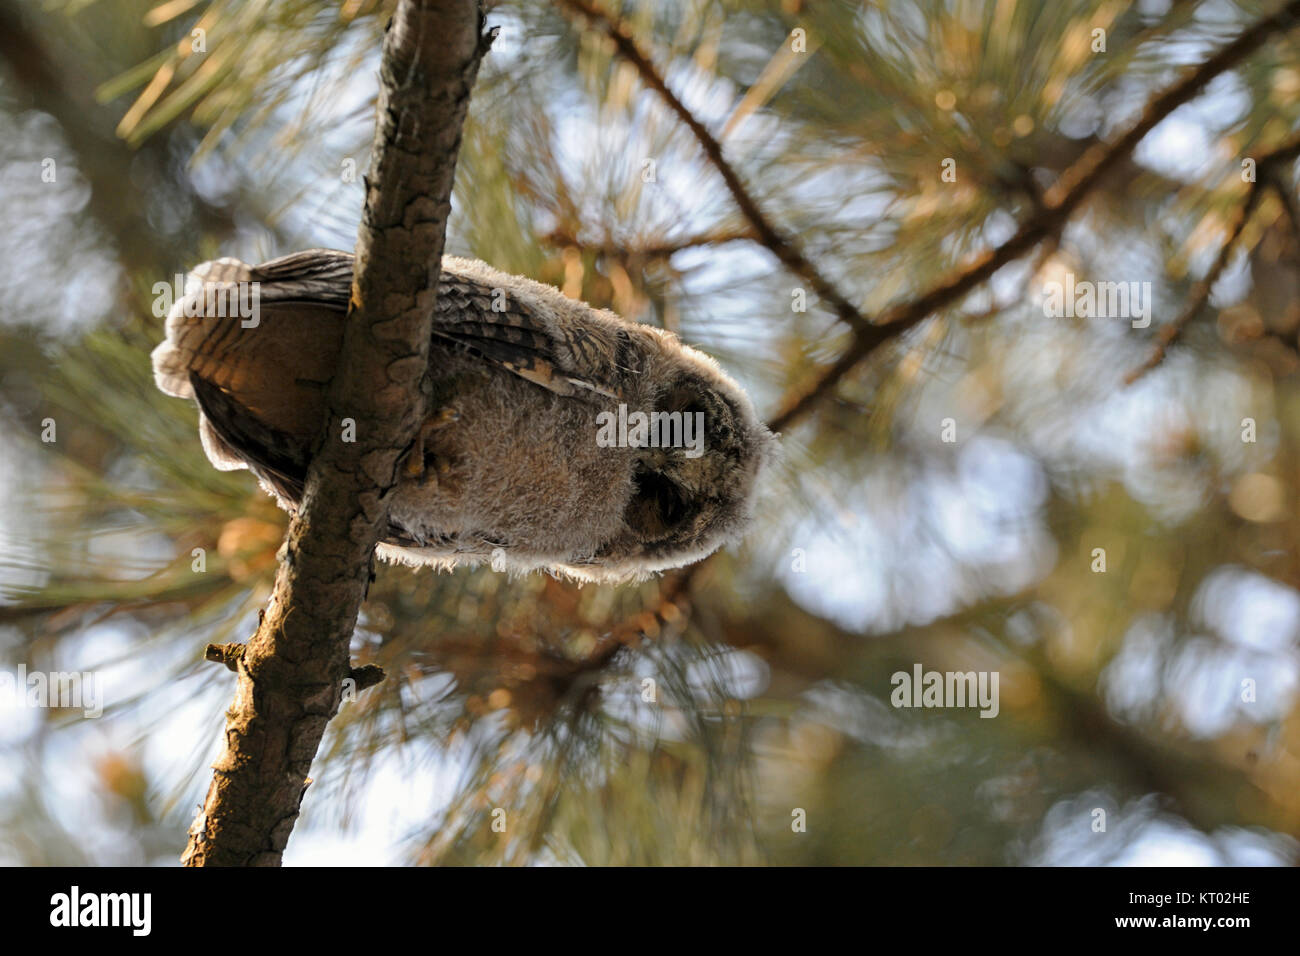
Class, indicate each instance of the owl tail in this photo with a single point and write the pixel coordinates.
(193, 319)
(256, 346)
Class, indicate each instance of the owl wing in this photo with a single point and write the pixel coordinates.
(254, 414)
(317, 277)
(232, 436)
(534, 332)
(524, 327)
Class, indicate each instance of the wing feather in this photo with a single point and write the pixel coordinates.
(317, 277)
(503, 320)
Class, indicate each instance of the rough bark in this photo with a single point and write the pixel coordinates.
(291, 674)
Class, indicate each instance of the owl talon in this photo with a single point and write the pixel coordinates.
(417, 461)
(441, 418)
(430, 475)
(415, 465)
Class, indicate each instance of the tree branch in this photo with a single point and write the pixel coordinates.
(291, 673)
(662, 249)
(1266, 176)
(1055, 208)
(767, 234)
(1058, 203)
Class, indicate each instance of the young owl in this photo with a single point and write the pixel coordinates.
(559, 436)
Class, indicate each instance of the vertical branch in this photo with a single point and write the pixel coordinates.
(291, 673)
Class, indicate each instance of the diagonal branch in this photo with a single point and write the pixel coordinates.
(292, 672)
(659, 249)
(1059, 202)
(1266, 176)
(768, 235)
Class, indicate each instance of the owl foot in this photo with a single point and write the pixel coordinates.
(417, 461)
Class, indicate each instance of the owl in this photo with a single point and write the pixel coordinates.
(558, 437)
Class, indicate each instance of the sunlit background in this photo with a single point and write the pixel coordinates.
(1124, 556)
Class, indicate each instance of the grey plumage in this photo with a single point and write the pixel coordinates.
(523, 382)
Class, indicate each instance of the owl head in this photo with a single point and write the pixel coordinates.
(699, 451)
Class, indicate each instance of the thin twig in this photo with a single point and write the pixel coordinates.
(1058, 203)
(671, 607)
(1266, 169)
(768, 235)
(661, 249)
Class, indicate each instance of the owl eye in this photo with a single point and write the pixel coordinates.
(657, 505)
